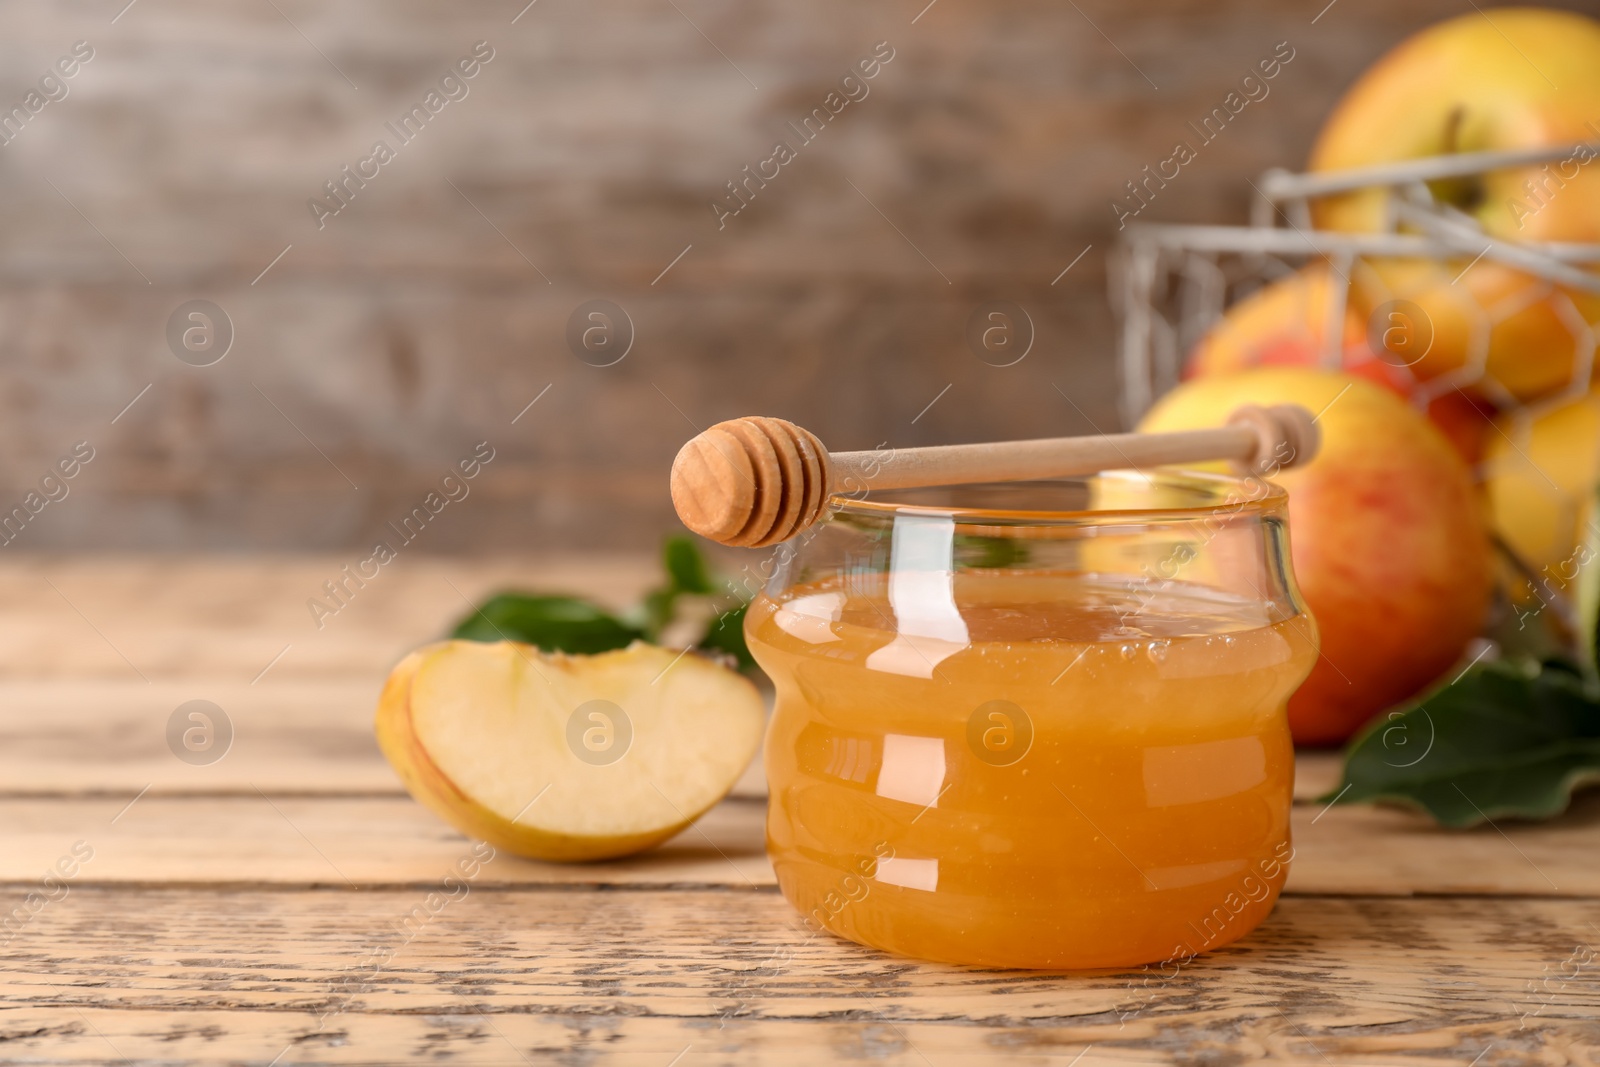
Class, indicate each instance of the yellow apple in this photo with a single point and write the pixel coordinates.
(1386, 535)
(567, 757)
(1501, 79)
(1542, 471)
(1517, 336)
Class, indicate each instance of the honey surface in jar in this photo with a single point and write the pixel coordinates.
(945, 787)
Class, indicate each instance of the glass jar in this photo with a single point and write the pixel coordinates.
(1036, 725)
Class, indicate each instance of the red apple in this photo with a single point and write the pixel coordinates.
(1285, 323)
(1386, 535)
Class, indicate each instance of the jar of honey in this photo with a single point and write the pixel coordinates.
(1036, 725)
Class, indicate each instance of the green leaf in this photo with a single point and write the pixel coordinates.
(687, 575)
(1505, 739)
(553, 623)
(686, 567)
(570, 624)
(726, 634)
(656, 610)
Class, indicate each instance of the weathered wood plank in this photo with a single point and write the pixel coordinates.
(598, 137)
(226, 619)
(594, 143)
(110, 737)
(63, 738)
(250, 1038)
(1316, 773)
(96, 653)
(293, 735)
(388, 840)
(427, 376)
(184, 975)
(335, 841)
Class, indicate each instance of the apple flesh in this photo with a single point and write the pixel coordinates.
(1386, 535)
(567, 757)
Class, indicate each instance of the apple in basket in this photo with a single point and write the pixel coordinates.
(1540, 474)
(1287, 322)
(1501, 79)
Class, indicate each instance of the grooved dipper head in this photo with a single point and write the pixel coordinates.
(751, 482)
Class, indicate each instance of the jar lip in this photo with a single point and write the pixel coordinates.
(1221, 494)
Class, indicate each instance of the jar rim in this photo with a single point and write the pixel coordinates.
(1218, 494)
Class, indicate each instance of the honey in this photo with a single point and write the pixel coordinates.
(1042, 768)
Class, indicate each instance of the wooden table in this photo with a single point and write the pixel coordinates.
(235, 912)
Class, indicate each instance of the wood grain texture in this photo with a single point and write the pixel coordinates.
(252, 837)
(63, 738)
(235, 913)
(430, 311)
(223, 619)
(1256, 1034)
(96, 652)
(636, 977)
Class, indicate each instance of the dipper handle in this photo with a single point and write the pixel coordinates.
(755, 481)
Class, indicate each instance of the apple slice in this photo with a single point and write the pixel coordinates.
(566, 757)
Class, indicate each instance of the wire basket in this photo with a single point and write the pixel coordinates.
(1170, 283)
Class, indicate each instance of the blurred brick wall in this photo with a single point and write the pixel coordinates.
(425, 315)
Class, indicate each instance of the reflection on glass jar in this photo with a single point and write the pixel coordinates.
(1036, 725)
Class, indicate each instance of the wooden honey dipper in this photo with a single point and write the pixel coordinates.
(755, 481)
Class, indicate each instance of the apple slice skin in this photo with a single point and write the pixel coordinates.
(435, 790)
(438, 793)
